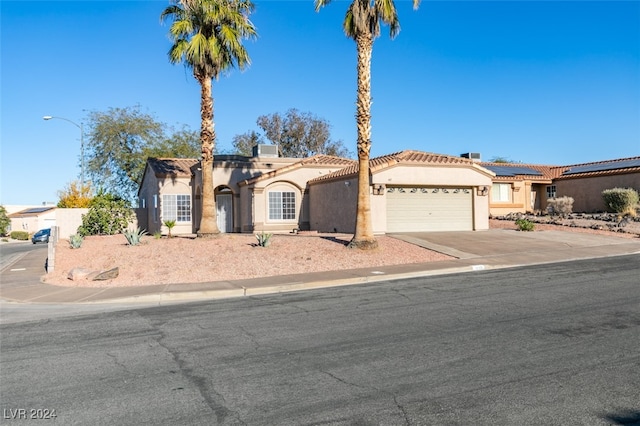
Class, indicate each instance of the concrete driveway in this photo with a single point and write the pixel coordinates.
(497, 242)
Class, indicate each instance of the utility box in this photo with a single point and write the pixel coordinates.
(264, 150)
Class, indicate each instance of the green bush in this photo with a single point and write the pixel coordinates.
(525, 225)
(75, 241)
(4, 221)
(108, 215)
(134, 237)
(20, 235)
(621, 200)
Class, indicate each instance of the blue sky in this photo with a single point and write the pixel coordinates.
(537, 82)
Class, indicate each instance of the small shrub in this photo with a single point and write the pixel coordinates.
(134, 237)
(157, 235)
(264, 239)
(525, 225)
(561, 206)
(20, 235)
(621, 200)
(169, 224)
(4, 221)
(75, 241)
(5, 240)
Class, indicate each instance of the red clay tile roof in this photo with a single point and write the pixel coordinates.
(316, 160)
(402, 157)
(163, 167)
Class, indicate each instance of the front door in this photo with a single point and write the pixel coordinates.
(224, 208)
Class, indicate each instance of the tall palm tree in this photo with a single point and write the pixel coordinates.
(207, 37)
(362, 24)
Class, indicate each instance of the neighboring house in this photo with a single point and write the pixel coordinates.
(585, 182)
(411, 191)
(33, 219)
(520, 188)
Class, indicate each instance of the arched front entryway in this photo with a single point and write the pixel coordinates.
(224, 208)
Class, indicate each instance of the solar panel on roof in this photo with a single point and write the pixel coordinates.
(36, 210)
(601, 167)
(513, 171)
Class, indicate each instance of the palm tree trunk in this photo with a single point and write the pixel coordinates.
(363, 237)
(208, 221)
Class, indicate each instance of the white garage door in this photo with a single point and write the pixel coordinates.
(420, 209)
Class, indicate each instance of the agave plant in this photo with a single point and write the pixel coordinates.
(264, 239)
(134, 237)
(76, 240)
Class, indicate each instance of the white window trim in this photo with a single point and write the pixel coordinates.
(282, 208)
(501, 193)
(175, 202)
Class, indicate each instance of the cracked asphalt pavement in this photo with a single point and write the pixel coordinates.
(552, 344)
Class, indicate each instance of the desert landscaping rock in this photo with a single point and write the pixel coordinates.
(77, 274)
(106, 275)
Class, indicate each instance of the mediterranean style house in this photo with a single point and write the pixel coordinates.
(410, 190)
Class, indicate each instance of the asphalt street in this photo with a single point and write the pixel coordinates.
(552, 344)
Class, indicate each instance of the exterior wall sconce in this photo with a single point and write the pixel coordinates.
(378, 189)
(483, 191)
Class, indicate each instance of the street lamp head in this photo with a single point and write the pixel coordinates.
(47, 117)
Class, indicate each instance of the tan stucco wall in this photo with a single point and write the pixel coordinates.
(587, 192)
(153, 185)
(332, 205)
(68, 221)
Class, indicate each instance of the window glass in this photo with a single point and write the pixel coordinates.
(176, 207)
(500, 192)
(282, 205)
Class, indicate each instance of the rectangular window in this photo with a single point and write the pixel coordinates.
(155, 208)
(551, 191)
(500, 192)
(282, 205)
(176, 207)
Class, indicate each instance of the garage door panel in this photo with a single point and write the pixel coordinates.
(421, 209)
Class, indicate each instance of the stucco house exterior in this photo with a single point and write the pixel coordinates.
(32, 219)
(411, 191)
(268, 193)
(253, 194)
(525, 188)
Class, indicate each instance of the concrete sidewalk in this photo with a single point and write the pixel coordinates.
(475, 251)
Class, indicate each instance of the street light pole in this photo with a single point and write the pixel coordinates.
(79, 126)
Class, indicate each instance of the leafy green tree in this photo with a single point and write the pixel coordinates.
(115, 152)
(297, 135)
(243, 144)
(108, 214)
(184, 143)
(75, 195)
(121, 139)
(207, 37)
(362, 24)
(4, 221)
